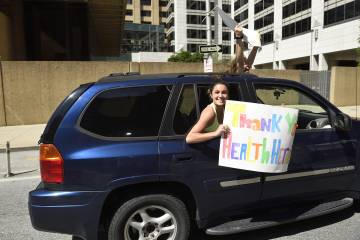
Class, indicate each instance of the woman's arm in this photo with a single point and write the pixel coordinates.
(197, 133)
(239, 50)
(252, 55)
(239, 56)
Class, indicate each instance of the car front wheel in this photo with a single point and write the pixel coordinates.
(150, 217)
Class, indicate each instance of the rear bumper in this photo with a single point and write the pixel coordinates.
(75, 213)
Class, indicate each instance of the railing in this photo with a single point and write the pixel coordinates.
(318, 81)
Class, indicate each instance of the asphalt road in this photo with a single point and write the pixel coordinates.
(15, 222)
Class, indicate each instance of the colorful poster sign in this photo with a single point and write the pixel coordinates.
(260, 138)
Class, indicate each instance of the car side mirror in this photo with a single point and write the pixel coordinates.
(342, 122)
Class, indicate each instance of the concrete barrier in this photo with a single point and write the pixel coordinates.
(170, 67)
(344, 89)
(287, 74)
(32, 90)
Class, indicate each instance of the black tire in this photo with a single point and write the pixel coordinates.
(157, 216)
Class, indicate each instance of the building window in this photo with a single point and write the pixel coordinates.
(264, 21)
(170, 23)
(242, 16)
(226, 36)
(296, 7)
(296, 27)
(226, 49)
(145, 13)
(163, 3)
(342, 12)
(195, 19)
(263, 4)
(267, 37)
(195, 5)
(129, 1)
(192, 47)
(129, 12)
(226, 8)
(239, 3)
(192, 33)
(145, 2)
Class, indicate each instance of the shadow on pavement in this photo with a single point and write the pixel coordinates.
(285, 229)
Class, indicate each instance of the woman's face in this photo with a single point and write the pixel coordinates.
(219, 94)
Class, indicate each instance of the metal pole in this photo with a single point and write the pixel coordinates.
(208, 22)
(9, 174)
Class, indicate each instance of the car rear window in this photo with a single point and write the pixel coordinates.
(127, 112)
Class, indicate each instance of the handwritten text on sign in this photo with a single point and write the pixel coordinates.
(261, 137)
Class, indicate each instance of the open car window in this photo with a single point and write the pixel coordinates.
(311, 114)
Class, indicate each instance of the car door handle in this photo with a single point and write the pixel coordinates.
(183, 157)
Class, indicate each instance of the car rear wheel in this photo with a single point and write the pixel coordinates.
(150, 217)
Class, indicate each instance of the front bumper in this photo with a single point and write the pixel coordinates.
(70, 212)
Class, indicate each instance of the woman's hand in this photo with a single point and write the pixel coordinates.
(238, 31)
(222, 130)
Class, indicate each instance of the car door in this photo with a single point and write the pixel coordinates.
(218, 191)
(323, 159)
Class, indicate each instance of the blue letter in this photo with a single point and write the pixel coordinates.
(234, 152)
(275, 123)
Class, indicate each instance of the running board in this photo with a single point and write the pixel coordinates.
(277, 218)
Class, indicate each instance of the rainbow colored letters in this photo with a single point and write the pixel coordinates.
(261, 137)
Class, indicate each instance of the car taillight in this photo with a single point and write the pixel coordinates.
(51, 164)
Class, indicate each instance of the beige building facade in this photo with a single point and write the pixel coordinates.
(146, 12)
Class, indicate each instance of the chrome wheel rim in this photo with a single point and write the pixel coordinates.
(151, 223)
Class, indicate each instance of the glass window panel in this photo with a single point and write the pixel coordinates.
(127, 112)
(340, 13)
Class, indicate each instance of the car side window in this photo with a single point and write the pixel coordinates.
(311, 114)
(127, 112)
(185, 114)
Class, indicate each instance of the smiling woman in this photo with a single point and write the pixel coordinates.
(210, 124)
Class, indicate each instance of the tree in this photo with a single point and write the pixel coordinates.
(185, 56)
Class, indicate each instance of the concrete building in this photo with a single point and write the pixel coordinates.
(296, 34)
(186, 25)
(61, 29)
(304, 34)
(144, 29)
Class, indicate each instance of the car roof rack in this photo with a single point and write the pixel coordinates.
(115, 77)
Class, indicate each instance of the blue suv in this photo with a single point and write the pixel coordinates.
(115, 164)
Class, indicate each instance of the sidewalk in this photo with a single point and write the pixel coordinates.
(22, 137)
(23, 163)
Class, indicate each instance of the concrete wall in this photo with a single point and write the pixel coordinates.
(34, 89)
(150, 68)
(345, 86)
(288, 74)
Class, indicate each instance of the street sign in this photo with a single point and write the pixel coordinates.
(209, 48)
